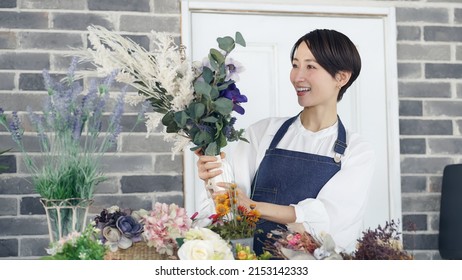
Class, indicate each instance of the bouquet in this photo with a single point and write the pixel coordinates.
(294, 243)
(233, 221)
(204, 244)
(70, 135)
(382, 243)
(78, 246)
(194, 101)
(158, 228)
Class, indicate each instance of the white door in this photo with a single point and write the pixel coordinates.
(369, 107)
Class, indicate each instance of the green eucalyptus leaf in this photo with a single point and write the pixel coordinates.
(196, 110)
(239, 39)
(203, 89)
(222, 142)
(214, 93)
(210, 119)
(226, 43)
(215, 65)
(168, 118)
(202, 137)
(181, 118)
(207, 74)
(217, 56)
(225, 85)
(223, 105)
(211, 149)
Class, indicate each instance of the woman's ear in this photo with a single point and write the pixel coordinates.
(342, 78)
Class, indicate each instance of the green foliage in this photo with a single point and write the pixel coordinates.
(78, 246)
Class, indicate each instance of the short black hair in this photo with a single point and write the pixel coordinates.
(334, 51)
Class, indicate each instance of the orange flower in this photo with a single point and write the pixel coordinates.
(222, 210)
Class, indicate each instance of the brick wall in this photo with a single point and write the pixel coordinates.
(37, 34)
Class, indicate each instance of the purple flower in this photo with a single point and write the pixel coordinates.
(233, 93)
(15, 127)
(129, 227)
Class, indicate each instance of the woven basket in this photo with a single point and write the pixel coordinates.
(138, 251)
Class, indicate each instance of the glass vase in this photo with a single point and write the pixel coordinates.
(226, 176)
(248, 241)
(65, 216)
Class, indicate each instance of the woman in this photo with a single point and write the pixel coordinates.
(308, 169)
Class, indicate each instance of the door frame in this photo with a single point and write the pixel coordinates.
(291, 7)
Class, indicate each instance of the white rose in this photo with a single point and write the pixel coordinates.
(196, 250)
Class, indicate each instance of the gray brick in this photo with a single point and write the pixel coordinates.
(410, 108)
(8, 4)
(424, 89)
(458, 15)
(443, 33)
(168, 198)
(459, 91)
(459, 52)
(20, 102)
(414, 222)
(424, 52)
(435, 183)
(9, 162)
(148, 23)
(434, 221)
(8, 40)
(141, 40)
(51, 41)
(167, 6)
(8, 206)
(421, 203)
(425, 255)
(111, 185)
(31, 206)
(409, 33)
(53, 4)
(61, 62)
(435, 15)
(30, 144)
(23, 226)
(129, 123)
(425, 127)
(443, 108)
(447, 146)
(9, 248)
(31, 247)
(16, 185)
(424, 165)
(119, 5)
(409, 70)
(24, 61)
(123, 201)
(6, 82)
(412, 146)
(74, 21)
(127, 163)
(139, 143)
(20, 20)
(420, 241)
(31, 81)
(443, 71)
(165, 164)
(413, 184)
(151, 183)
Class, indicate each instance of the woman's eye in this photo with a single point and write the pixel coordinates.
(310, 67)
(294, 66)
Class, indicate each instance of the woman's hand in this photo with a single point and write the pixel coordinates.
(242, 198)
(207, 166)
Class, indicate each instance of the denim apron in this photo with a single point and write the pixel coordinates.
(287, 177)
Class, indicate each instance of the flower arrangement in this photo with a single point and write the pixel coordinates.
(194, 101)
(78, 246)
(204, 244)
(233, 221)
(244, 252)
(158, 228)
(294, 243)
(382, 243)
(70, 135)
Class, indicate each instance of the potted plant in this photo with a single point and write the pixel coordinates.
(72, 143)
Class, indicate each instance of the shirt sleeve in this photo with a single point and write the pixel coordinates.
(340, 206)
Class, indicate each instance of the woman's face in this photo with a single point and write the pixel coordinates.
(313, 85)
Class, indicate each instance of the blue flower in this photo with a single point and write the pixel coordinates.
(233, 93)
(130, 228)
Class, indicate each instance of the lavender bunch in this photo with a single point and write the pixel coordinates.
(70, 132)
